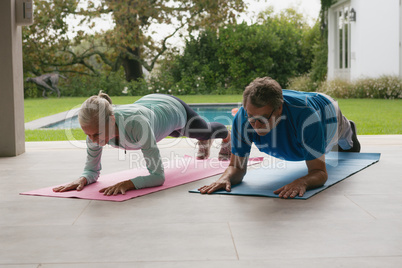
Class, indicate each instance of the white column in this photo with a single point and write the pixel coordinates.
(400, 39)
(12, 136)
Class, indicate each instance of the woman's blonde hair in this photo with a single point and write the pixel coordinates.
(96, 109)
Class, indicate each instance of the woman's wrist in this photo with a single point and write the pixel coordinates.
(85, 179)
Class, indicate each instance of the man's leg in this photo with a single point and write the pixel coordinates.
(346, 138)
(344, 144)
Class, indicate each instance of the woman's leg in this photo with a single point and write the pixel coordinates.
(197, 128)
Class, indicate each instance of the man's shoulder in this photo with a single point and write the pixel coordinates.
(295, 98)
(299, 101)
(297, 108)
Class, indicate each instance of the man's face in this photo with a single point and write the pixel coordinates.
(263, 119)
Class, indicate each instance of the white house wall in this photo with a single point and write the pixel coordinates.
(375, 37)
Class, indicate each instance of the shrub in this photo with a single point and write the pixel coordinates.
(32, 91)
(84, 86)
(303, 83)
(227, 60)
(138, 88)
(384, 87)
(337, 88)
(318, 72)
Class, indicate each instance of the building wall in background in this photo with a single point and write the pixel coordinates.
(374, 39)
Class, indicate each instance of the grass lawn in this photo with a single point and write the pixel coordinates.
(54, 134)
(372, 116)
(38, 108)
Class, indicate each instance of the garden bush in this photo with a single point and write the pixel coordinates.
(384, 87)
(224, 62)
(113, 84)
(32, 91)
(303, 83)
(83, 86)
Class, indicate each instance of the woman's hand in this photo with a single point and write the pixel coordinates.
(75, 185)
(118, 188)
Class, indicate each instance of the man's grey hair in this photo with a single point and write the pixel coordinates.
(263, 91)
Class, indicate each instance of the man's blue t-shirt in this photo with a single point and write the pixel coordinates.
(308, 123)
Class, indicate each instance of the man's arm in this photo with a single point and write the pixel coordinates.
(316, 177)
(233, 175)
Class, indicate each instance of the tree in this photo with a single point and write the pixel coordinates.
(288, 47)
(131, 35)
(279, 46)
(320, 63)
(198, 69)
(44, 41)
(129, 43)
(247, 52)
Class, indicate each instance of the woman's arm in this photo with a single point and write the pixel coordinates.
(144, 137)
(156, 175)
(154, 165)
(91, 170)
(93, 162)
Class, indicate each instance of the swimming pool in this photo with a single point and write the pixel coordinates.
(221, 113)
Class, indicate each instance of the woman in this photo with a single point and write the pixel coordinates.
(140, 126)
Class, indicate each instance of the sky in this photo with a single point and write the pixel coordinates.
(310, 8)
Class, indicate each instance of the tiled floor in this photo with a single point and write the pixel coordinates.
(355, 223)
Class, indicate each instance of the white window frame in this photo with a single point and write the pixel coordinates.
(342, 68)
(400, 39)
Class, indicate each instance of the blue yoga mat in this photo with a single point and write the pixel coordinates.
(264, 181)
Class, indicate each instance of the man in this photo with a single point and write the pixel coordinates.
(291, 125)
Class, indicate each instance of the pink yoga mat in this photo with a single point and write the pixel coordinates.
(177, 172)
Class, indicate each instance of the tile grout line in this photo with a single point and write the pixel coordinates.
(360, 207)
(234, 244)
(81, 213)
(187, 260)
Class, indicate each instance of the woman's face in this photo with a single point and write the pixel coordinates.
(100, 135)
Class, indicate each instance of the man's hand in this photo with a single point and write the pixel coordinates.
(293, 189)
(218, 185)
(118, 188)
(316, 177)
(75, 185)
(233, 175)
